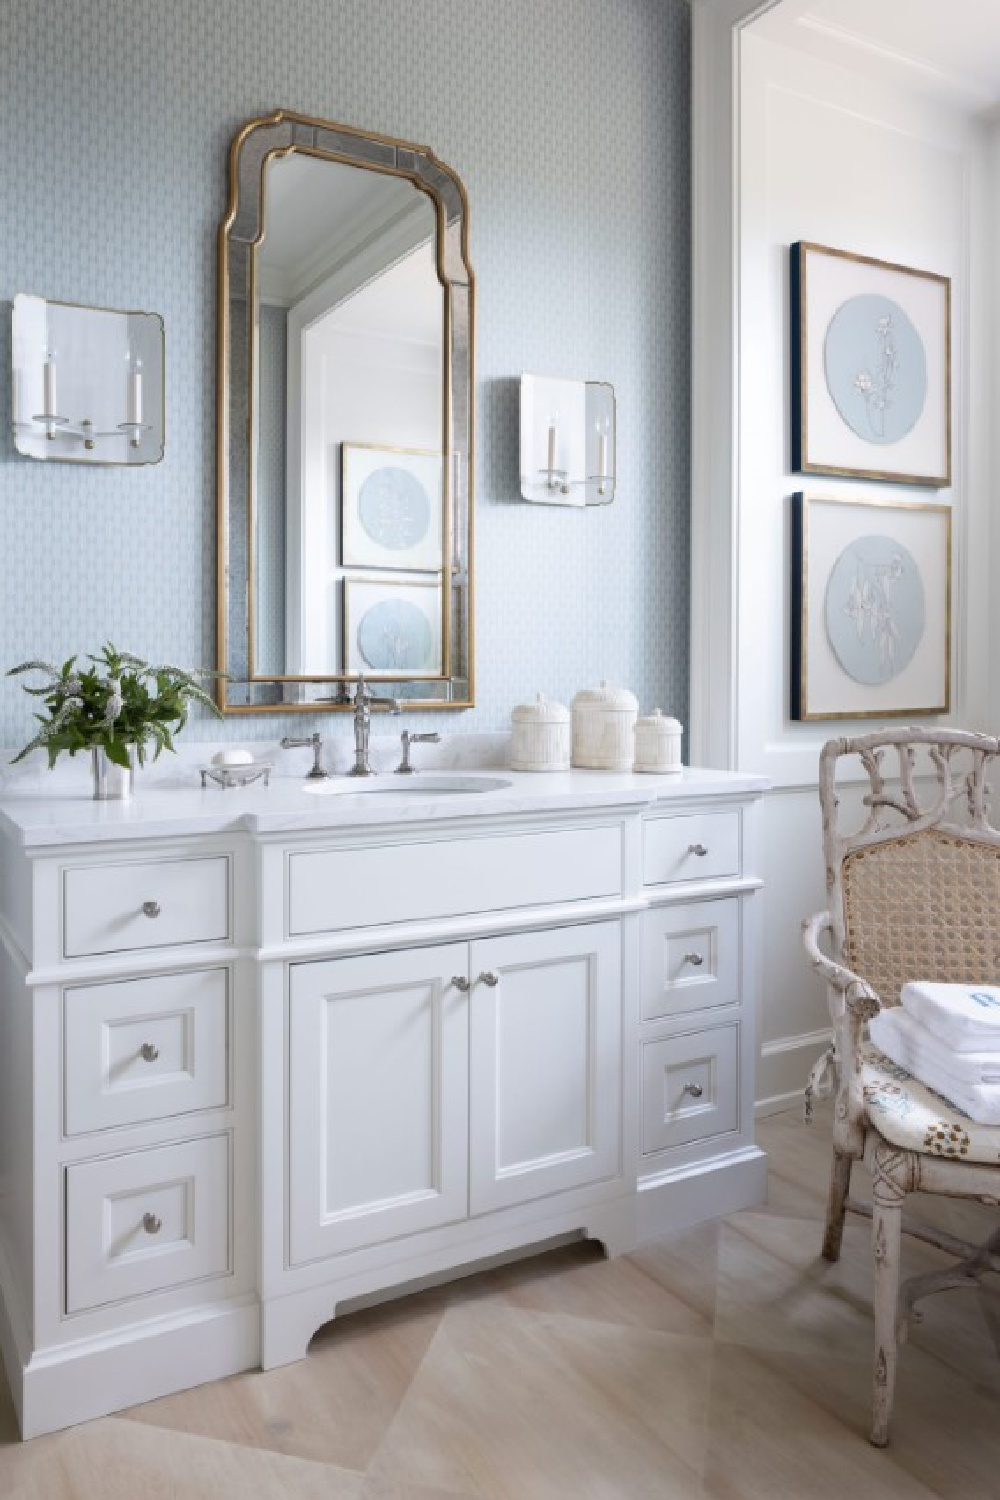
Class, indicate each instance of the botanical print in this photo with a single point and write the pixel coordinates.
(395, 636)
(394, 508)
(874, 608)
(876, 368)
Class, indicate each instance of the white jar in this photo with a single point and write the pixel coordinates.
(539, 736)
(658, 745)
(603, 723)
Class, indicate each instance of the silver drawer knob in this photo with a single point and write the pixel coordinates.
(698, 849)
(149, 1051)
(460, 982)
(151, 908)
(694, 959)
(151, 1223)
(694, 1089)
(492, 980)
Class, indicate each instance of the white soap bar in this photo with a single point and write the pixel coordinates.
(232, 758)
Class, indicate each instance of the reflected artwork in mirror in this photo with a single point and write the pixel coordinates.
(345, 421)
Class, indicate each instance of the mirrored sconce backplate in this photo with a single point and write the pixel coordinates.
(568, 441)
(87, 383)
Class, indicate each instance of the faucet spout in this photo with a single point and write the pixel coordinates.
(364, 702)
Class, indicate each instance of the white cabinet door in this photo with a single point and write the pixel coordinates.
(378, 1098)
(545, 1073)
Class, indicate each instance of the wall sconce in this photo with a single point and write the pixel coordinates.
(87, 383)
(568, 441)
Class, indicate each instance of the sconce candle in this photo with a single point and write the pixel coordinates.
(135, 394)
(552, 450)
(49, 406)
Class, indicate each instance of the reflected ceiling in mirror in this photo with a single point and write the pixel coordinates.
(345, 433)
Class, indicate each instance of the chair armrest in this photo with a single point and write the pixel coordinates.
(858, 995)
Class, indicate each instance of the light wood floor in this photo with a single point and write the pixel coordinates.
(727, 1362)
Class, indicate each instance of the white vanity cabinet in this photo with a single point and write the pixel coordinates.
(265, 1057)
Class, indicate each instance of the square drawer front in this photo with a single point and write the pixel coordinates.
(143, 1049)
(702, 846)
(690, 1088)
(148, 904)
(330, 889)
(690, 957)
(146, 1221)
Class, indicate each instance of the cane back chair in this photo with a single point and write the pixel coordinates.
(913, 893)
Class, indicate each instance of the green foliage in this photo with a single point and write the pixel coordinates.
(116, 702)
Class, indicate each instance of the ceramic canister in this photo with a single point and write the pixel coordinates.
(603, 723)
(658, 744)
(539, 736)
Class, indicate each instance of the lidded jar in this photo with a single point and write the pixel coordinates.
(658, 744)
(539, 736)
(603, 724)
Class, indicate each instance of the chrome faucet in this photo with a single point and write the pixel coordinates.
(406, 739)
(317, 773)
(363, 705)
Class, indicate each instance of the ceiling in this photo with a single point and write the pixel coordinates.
(949, 49)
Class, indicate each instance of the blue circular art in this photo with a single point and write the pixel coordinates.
(876, 368)
(874, 609)
(395, 636)
(394, 508)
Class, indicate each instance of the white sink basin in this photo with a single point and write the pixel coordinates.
(423, 783)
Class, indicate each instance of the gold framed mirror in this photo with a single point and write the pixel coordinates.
(345, 421)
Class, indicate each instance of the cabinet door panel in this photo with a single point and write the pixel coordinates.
(545, 1048)
(378, 1088)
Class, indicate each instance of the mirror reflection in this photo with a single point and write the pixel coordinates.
(345, 464)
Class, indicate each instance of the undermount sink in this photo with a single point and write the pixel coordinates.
(424, 782)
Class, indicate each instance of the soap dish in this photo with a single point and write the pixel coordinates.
(227, 776)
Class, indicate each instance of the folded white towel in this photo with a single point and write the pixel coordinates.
(966, 1016)
(966, 1069)
(891, 1032)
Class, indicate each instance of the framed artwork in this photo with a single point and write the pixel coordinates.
(392, 628)
(391, 508)
(871, 368)
(871, 608)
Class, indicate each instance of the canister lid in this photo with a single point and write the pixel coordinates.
(659, 723)
(542, 711)
(606, 696)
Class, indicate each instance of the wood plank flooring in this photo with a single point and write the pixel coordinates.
(725, 1363)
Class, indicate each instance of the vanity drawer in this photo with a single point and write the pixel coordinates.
(148, 904)
(329, 889)
(144, 1049)
(690, 957)
(146, 1221)
(699, 846)
(690, 1088)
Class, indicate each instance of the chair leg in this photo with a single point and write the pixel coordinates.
(887, 1214)
(840, 1182)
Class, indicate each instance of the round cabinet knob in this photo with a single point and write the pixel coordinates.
(149, 1051)
(698, 849)
(151, 1223)
(694, 1089)
(492, 980)
(460, 982)
(151, 908)
(694, 959)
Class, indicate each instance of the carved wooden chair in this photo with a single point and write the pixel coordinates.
(913, 893)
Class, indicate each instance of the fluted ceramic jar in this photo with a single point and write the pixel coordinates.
(603, 728)
(658, 744)
(539, 736)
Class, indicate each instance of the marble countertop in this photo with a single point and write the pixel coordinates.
(36, 814)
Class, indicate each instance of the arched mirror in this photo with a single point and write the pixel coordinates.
(345, 421)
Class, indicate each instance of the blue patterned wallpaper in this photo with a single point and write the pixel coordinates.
(568, 121)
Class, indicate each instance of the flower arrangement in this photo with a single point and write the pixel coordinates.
(118, 703)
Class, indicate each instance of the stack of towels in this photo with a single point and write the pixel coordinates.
(947, 1036)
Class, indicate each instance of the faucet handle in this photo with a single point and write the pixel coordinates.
(406, 739)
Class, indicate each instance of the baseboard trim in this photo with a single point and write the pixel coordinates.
(684, 1196)
(800, 1042)
(93, 1377)
(776, 1104)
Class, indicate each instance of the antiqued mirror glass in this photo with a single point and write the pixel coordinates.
(345, 421)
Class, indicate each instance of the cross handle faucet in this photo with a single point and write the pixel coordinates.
(364, 702)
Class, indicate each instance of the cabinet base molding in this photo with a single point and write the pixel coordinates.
(289, 1322)
(682, 1196)
(90, 1378)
